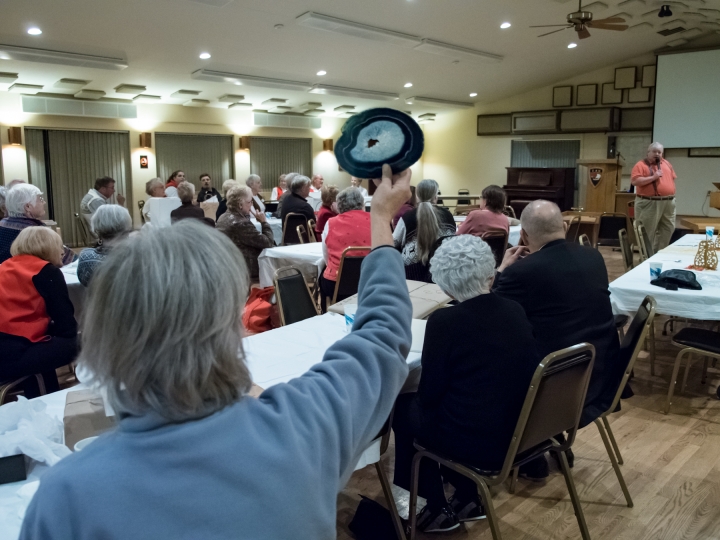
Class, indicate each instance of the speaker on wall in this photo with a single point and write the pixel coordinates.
(612, 148)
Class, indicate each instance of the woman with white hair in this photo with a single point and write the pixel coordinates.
(254, 182)
(25, 207)
(111, 223)
(188, 210)
(193, 455)
(477, 361)
(237, 225)
(38, 331)
(351, 227)
(357, 183)
(155, 188)
(226, 186)
(418, 231)
(281, 188)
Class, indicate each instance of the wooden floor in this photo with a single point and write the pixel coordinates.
(672, 468)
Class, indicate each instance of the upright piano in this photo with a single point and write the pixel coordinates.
(527, 184)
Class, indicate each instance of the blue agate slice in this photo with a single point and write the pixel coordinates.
(379, 136)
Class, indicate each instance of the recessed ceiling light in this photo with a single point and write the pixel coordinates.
(34, 31)
(474, 94)
(505, 25)
(408, 85)
(204, 56)
(572, 45)
(321, 73)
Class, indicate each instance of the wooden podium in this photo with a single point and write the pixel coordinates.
(600, 178)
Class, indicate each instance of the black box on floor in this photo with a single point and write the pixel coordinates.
(12, 469)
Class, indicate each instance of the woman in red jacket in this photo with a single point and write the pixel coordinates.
(38, 331)
(328, 194)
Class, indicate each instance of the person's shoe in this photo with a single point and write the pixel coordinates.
(467, 511)
(536, 470)
(441, 520)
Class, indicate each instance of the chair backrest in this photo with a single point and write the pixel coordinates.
(84, 232)
(290, 235)
(497, 240)
(421, 272)
(141, 204)
(631, 210)
(464, 192)
(311, 230)
(465, 209)
(633, 343)
(610, 224)
(554, 400)
(573, 229)
(644, 243)
(626, 250)
(585, 240)
(295, 303)
(348, 276)
(302, 233)
(509, 211)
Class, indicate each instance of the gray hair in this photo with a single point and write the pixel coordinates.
(150, 185)
(427, 190)
(463, 267)
(350, 199)
(298, 182)
(186, 191)
(3, 192)
(542, 221)
(428, 226)
(19, 196)
(228, 185)
(252, 179)
(655, 146)
(172, 355)
(236, 195)
(15, 182)
(110, 220)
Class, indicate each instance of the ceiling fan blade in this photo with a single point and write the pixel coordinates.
(550, 25)
(609, 20)
(553, 32)
(618, 27)
(583, 34)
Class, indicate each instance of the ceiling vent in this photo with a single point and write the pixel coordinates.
(90, 94)
(456, 52)
(47, 56)
(71, 84)
(671, 31)
(230, 98)
(249, 80)
(20, 88)
(286, 121)
(183, 94)
(350, 28)
(213, 3)
(8, 78)
(73, 107)
(352, 92)
(130, 89)
(441, 102)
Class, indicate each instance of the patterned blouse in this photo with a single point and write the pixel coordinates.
(246, 237)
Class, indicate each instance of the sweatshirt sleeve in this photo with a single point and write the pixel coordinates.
(50, 283)
(338, 407)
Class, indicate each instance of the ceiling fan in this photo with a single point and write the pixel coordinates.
(581, 21)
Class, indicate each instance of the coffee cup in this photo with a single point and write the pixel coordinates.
(350, 310)
(709, 231)
(655, 270)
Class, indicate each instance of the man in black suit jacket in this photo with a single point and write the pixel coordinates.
(295, 201)
(563, 288)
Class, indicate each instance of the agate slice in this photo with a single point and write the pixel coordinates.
(377, 136)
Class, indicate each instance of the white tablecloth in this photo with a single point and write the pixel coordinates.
(307, 257)
(628, 291)
(75, 289)
(275, 225)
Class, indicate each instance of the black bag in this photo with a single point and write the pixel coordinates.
(372, 521)
(672, 280)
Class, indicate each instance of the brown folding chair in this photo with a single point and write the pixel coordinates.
(498, 241)
(348, 276)
(573, 229)
(626, 250)
(585, 240)
(630, 348)
(290, 232)
(84, 233)
(311, 230)
(141, 205)
(9, 385)
(644, 243)
(509, 211)
(302, 233)
(295, 301)
(553, 405)
(461, 202)
(465, 209)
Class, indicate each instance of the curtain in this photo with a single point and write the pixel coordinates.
(195, 155)
(35, 149)
(77, 158)
(545, 153)
(270, 157)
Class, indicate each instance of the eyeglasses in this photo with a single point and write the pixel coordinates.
(41, 198)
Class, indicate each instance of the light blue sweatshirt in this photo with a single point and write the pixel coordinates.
(261, 468)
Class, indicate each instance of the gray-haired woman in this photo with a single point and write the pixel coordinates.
(193, 456)
(186, 193)
(111, 223)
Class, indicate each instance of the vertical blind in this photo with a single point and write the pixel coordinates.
(272, 156)
(76, 160)
(545, 153)
(195, 155)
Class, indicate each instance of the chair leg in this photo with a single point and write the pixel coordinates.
(612, 440)
(387, 491)
(513, 480)
(573, 496)
(652, 348)
(492, 518)
(414, 476)
(41, 384)
(673, 380)
(705, 368)
(614, 463)
(688, 363)
(621, 333)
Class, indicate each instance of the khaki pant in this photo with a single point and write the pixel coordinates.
(658, 218)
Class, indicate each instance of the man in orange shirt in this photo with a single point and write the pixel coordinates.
(654, 181)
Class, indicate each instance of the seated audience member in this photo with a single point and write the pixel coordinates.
(111, 223)
(172, 183)
(235, 459)
(236, 224)
(288, 180)
(477, 361)
(254, 182)
(281, 188)
(328, 209)
(38, 331)
(186, 193)
(26, 208)
(3, 209)
(357, 183)
(206, 190)
(295, 201)
(98, 196)
(563, 288)
(316, 183)
(155, 188)
(490, 217)
(408, 205)
(419, 229)
(222, 207)
(351, 227)
(15, 182)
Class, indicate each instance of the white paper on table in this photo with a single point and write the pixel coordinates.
(418, 335)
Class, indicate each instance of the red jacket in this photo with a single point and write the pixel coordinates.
(345, 230)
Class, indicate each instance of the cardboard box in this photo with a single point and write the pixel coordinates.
(84, 417)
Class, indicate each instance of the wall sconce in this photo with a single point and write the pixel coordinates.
(245, 143)
(328, 145)
(15, 135)
(146, 140)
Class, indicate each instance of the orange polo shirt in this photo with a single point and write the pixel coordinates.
(665, 185)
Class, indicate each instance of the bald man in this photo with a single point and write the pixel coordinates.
(563, 288)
